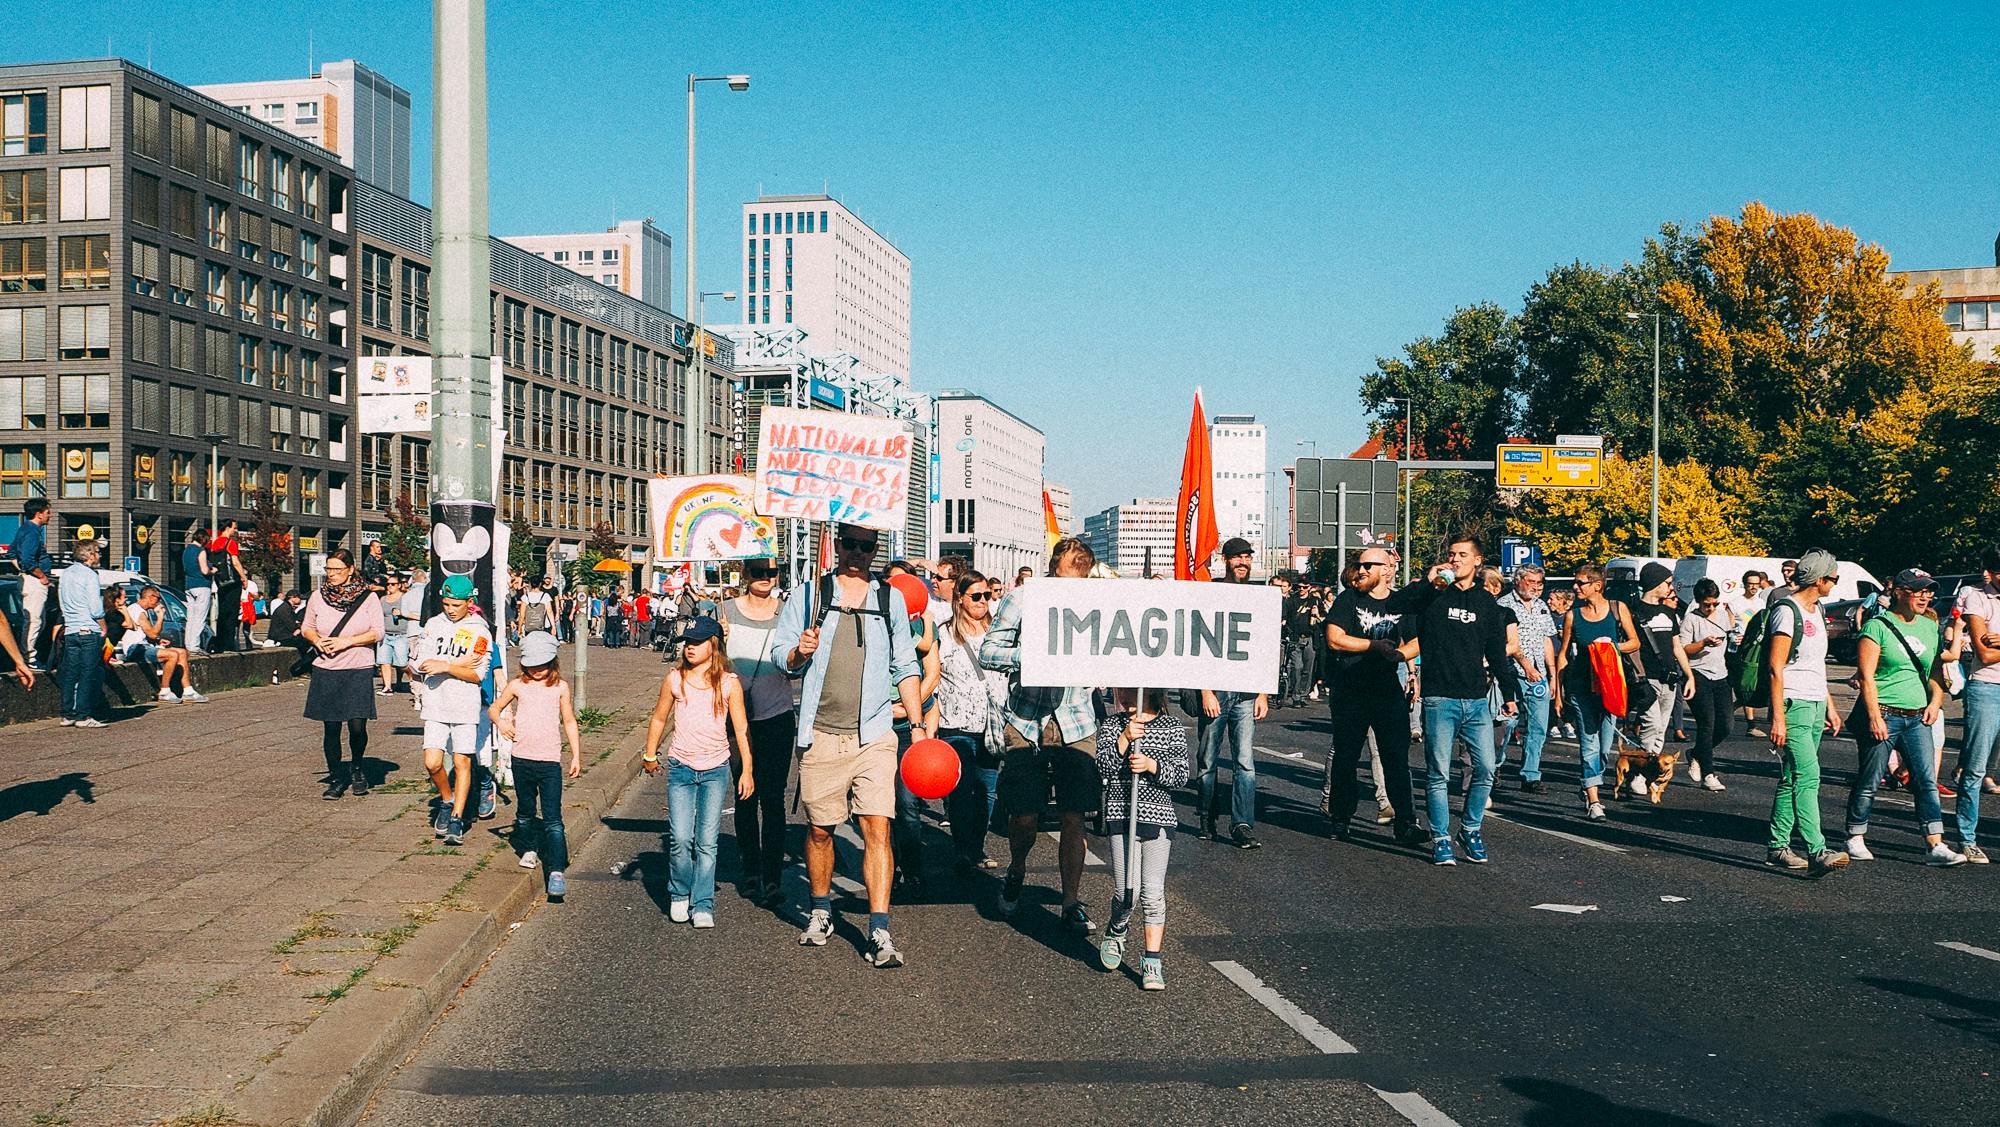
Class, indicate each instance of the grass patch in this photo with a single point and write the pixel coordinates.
(388, 940)
(336, 993)
(214, 1115)
(315, 927)
(590, 718)
(409, 784)
(48, 1117)
(432, 849)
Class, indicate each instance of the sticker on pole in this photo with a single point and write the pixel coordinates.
(827, 466)
(1131, 633)
(707, 518)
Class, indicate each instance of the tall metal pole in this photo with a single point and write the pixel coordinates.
(461, 454)
(1656, 436)
(690, 453)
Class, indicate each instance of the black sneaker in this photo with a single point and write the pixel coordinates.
(1078, 920)
(1207, 827)
(1409, 834)
(359, 788)
(455, 833)
(1239, 836)
(1532, 786)
(334, 787)
(1010, 892)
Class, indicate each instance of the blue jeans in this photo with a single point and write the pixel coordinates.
(1535, 711)
(82, 673)
(1446, 721)
(1912, 737)
(15, 612)
(1596, 736)
(1231, 733)
(538, 820)
(694, 811)
(1982, 728)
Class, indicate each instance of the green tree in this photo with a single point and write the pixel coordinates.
(521, 547)
(1699, 513)
(406, 540)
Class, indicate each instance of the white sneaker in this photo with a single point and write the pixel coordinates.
(1596, 812)
(677, 911)
(168, 696)
(1694, 771)
(529, 860)
(1943, 856)
(1712, 781)
(190, 696)
(819, 926)
(1639, 787)
(90, 722)
(1857, 848)
(704, 919)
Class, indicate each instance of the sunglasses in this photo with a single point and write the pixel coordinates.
(1373, 563)
(980, 596)
(850, 544)
(760, 572)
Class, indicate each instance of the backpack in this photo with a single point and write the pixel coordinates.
(1753, 679)
(534, 616)
(826, 599)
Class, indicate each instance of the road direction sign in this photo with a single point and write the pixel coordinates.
(1369, 486)
(1578, 465)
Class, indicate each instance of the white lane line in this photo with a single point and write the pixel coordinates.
(852, 888)
(1296, 756)
(1604, 845)
(1322, 1038)
(1409, 1105)
(1970, 949)
(1089, 858)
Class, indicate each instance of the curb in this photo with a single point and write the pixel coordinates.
(327, 1076)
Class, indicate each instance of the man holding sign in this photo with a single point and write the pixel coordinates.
(1050, 747)
(847, 636)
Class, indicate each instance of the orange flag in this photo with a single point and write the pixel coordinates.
(1195, 537)
(1049, 526)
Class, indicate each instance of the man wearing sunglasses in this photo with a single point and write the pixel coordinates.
(856, 658)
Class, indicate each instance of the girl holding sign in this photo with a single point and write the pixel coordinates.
(1141, 738)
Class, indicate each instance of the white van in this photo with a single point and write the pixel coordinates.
(1855, 582)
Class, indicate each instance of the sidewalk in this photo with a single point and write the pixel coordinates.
(186, 926)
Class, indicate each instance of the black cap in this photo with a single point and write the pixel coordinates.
(1235, 546)
(1654, 574)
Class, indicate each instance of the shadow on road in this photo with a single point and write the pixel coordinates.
(44, 795)
(1985, 1012)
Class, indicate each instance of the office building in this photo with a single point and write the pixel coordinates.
(812, 263)
(1136, 539)
(1971, 303)
(345, 108)
(989, 485)
(174, 288)
(1237, 451)
(633, 257)
(1064, 504)
(593, 395)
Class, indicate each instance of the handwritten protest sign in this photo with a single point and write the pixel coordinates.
(707, 518)
(828, 466)
(1129, 633)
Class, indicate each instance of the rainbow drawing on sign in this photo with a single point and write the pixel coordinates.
(708, 518)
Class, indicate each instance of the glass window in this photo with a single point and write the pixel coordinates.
(249, 298)
(1975, 315)
(24, 267)
(86, 402)
(24, 123)
(215, 221)
(182, 277)
(822, 220)
(83, 194)
(86, 118)
(148, 403)
(611, 254)
(1954, 314)
(181, 475)
(86, 471)
(24, 403)
(24, 471)
(145, 474)
(279, 306)
(24, 196)
(310, 264)
(281, 181)
(312, 204)
(144, 263)
(216, 286)
(584, 255)
(86, 262)
(24, 335)
(306, 113)
(147, 139)
(145, 343)
(310, 322)
(216, 146)
(180, 212)
(274, 111)
(249, 361)
(249, 168)
(184, 152)
(180, 341)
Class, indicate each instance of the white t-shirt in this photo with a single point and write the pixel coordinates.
(1712, 662)
(447, 699)
(1982, 602)
(1742, 606)
(1805, 675)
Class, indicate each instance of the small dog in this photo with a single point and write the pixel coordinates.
(1658, 770)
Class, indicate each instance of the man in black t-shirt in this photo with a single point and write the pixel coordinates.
(1363, 631)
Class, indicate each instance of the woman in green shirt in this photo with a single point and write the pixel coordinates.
(1901, 695)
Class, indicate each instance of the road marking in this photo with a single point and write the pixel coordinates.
(1971, 950)
(1571, 909)
(1322, 1038)
(850, 887)
(1409, 1105)
(1295, 756)
(1089, 858)
(1591, 842)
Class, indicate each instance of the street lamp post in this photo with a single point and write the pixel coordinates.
(691, 451)
(1403, 478)
(1634, 316)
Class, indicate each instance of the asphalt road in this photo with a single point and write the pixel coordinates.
(1310, 981)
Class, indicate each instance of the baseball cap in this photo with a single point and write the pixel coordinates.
(1915, 579)
(701, 629)
(1235, 546)
(538, 648)
(458, 587)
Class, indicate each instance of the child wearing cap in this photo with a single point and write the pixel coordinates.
(704, 698)
(544, 716)
(453, 655)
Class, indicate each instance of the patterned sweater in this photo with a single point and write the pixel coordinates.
(1165, 740)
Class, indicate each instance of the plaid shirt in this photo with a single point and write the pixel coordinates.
(1072, 709)
(1537, 625)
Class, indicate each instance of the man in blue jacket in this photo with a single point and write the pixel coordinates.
(27, 597)
(847, 637)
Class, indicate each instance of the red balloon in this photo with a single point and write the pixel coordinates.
(930, 768)
(915, 595)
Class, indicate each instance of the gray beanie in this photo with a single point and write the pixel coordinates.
(1814, 566)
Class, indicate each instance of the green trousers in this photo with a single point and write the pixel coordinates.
(1796, 803)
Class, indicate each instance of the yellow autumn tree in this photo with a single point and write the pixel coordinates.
(1700, 513)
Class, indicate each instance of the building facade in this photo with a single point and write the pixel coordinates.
(1136, 539)
(593, 397)
(812, 263)
(345, 108)
(1237, 451)
(989, 486)
(633, 257)
(173, 295)
(1971, 304)
(1064, 504)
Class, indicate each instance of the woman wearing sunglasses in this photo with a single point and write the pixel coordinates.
(748, 623)
(970, 699)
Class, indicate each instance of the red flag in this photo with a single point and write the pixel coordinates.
(1195, 537)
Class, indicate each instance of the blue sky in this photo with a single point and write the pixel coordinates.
(1107, 204)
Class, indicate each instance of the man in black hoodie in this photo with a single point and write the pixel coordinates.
(1364, 694)
(1463, 638)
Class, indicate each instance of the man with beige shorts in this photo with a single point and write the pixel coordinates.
(847, 638)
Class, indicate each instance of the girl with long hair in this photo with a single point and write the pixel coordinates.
(704, 697)
(544, 716)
